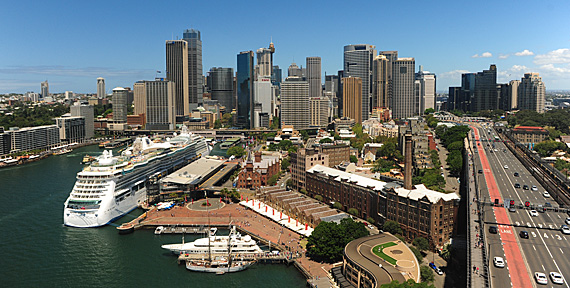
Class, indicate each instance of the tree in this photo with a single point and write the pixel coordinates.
(353, 211)
(319, 198)
(370, 220)
(237, 151)
(387, 150)
(417, 253)
(272, 180)
(337, 205)
(353, 159)
(429, 111)
(392, 227)
(328, 240)
(546, 148)
(455, 162)
(325, 140)
(289, 183)
(408, 284)
(274, 123)
(421, 243)
(426, 274)
(285, 164)
(303, 191)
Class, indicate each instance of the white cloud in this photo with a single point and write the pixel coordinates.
(525, 52)
(483, 55)
(453, 75)
(553, 57)
(505, 56)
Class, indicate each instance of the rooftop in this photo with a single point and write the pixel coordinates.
(421, 191)
(341, 175)
(194, 171)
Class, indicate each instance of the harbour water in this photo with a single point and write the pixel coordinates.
(36, 250)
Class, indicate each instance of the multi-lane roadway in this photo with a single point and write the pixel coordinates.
(547, 249)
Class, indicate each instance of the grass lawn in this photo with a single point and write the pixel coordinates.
(378, 251)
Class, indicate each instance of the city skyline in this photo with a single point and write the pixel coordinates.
(71, 54)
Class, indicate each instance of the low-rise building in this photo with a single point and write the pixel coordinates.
(71, 129)
(256, 172)
(529, 134)
(303, 160)
(343, 123)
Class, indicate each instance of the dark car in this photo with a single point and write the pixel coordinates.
(517, 185)
(525, 187)
(516, 174)
(547, 204)
(480, 171)
(493, 229)
(523, 234)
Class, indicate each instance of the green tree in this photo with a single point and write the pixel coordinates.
(417, 253)
(392, 227)
(421, 243)
(289, 183)
(325, 140)
(319, 198)
(388, 150)
(455, 162)
(408, 284)
(285, 164)
(237, 151)
(274, 123)
(272, 180)
(337, 205)
(546, 148)
(370, 220)
(353, 211)
(429, 111)
(303, 191)
(328, 240)
(426, 273)
(353, 159)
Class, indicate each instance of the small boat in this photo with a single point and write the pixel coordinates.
(88, 159)
(158, 230)
(219, 265)
(62, 151)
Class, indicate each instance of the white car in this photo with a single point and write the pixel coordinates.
(567, 221)
(534, 188)
(565, 229)
(499, 262)
(506, 167)
(540, 278)
(556, 278)
(546, 194)
(533, 213)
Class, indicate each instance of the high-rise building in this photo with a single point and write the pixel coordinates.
(221, 86)
(177, 72)
(358, 63)
(314, 76)
(331, 91)
(264, 65)
(295, 108)
(403, 97)
(45, 89)
(86, 111)
(319, 110)
(391, 56)
(276, 76)
(101, 88)
(352, 98)
(427, 82)
(339, 92)
(120, 105)
(380, 83)
(245, 98)
(156, 99)
(294, 71)
(195, 72)
(485, 96)
(263, 94)
(513, 93)
(531, 93)
(71, 129)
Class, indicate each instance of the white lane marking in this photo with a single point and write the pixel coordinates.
(561, 250)
(558, 237)
(558, 216)
(533, 245)
(542, 267)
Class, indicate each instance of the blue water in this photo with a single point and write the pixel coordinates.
(36, 250)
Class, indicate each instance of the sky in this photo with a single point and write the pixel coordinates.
(71, 43)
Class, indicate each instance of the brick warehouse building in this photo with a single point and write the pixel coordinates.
(255, 173)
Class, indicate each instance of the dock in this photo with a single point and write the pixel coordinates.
(266, 258)
(184, 229)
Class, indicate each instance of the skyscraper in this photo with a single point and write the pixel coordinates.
(403, 96)
(195, 73)
(101, 88)
(177, 72)
(352, 98)
(380, 83)
(391, 56)
(276, 76)
(358, 63)
(221, 86)
(295, 104)
(156, 99)
(485, 96)
(245, 99)
(45, 89)
(513, 93)
(427, 83)
(314, 76)
(264, 65)
(77, 109)
(294, 71)
(120, 105)
(531, 93)
(319, 110)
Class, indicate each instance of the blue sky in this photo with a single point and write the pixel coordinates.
(71, 43)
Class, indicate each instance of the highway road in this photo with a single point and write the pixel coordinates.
(547, 248)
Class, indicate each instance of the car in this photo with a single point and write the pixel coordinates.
(546, 194)
(496, 150)
(525, 187)
(540, 278)
(506, 167)
(435, 268)
(547, 204)
(556, 278)
(516, 174)
(504, 150)
(567, 220)
(565, 229)
(534, 188)
(512, 209)
(533, 213)
(480, 171)
(493, 229)
(517, 185)
(499, 262)
(523, 234)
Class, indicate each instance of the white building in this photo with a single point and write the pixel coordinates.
(295, 108)
(426, 94)
(264, 95)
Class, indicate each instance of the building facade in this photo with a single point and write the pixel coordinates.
(380, 82)
(314, 76)
(319, 111)
(44, 87)
(485, 96)
(427, 84)
(222, 87)
(101, 88)
(352, 99)
(531, 93)
(245, 77)
(513, 94)
(31, 138)
(529, 135)
(87, 112)
(195, 72)
(301, 161)
(71, 129)
(256, 172)
(295, 105)
(156, 100)
(177, 72)
(358, 61)
(404, 102)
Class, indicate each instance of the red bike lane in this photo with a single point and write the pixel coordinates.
(513, 255)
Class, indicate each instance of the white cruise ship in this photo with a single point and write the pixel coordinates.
(217, 245)
(112, 186)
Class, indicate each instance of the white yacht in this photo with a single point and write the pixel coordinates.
(112, 186)
(218, 244)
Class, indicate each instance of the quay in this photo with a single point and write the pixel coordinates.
(221, 215)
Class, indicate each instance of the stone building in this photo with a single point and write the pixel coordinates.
(529, 134)
(255, 173)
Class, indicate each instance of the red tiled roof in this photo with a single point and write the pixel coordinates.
(529, 128)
